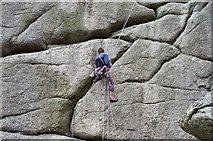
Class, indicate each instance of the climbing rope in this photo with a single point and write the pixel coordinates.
(126, 22)
(107, 92)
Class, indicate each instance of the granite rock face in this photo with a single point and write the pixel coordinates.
(41, 89)
(162, 64)
(37, 25)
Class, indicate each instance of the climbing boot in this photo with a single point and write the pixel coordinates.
(113, 99)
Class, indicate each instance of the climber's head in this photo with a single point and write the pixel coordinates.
(100, 50)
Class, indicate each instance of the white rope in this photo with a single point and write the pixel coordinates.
(126, 22)
(107, 92)
(103, 134)
(113, 122)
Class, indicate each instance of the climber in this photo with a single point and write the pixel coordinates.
(103, 65)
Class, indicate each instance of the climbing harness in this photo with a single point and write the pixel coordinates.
(106, 95)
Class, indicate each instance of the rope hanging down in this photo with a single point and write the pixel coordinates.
(107, 92)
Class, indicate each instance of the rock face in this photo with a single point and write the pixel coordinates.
(159, 30)
(57, 23)
(198, 119)
(162, 63)
(144, 111)
(196, 38)
(135, 63)
(42, 99)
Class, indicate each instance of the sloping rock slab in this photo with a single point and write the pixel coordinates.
(39, 90)
(142, 61)
(165, 29)
(144, 111)
(185, 72)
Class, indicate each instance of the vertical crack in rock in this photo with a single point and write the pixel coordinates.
(190, 12)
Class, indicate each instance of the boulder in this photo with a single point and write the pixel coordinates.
(196, 38)
(165, 29)
(142, 61)
(67, 22)
(198, 119)
(185, 72)
(143, 111)
(39, 90)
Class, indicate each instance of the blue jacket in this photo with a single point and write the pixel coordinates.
(104, 57)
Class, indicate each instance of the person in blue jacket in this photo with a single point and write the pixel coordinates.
(103, 64)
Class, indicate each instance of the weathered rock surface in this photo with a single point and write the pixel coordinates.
(154, 4)
(165, 29)
(165, 66)
(15, 136)
(196, 38)
(65, 23)
(179, 8)
(144, 111)
(185, 72)
(40, 89)
(142, 61)
(198, 119)
(17, 17)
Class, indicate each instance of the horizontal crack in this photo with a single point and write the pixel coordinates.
(179, 88)
(155, 40)
(14, 115)
(5, 26)
(157, 102)
(133, 81)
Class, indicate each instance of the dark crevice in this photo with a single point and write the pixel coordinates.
(5, 26)
(126, 38)
(158, 102)
(159, 41)
(133, 81)
(14, 115)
